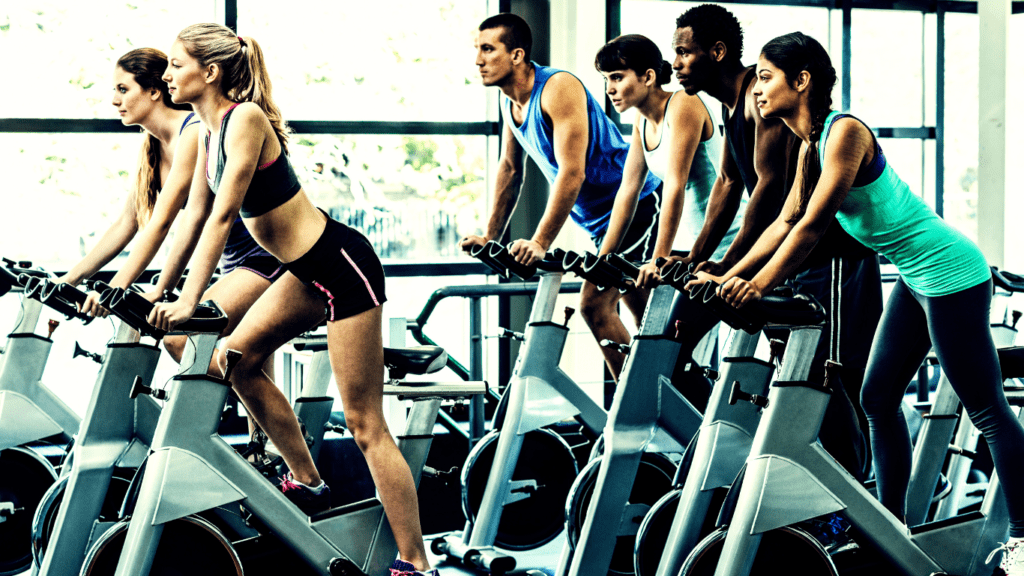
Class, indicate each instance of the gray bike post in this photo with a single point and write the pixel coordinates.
(723, 443)
(647, 413)
(540, 394)
(790, 479)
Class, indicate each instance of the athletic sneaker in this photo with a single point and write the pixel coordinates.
(403, 568)
(1013, 557)
(309, 499)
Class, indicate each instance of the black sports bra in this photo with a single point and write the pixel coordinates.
(273, 184)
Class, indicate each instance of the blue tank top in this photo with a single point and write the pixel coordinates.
(933, 258)
(606, 155)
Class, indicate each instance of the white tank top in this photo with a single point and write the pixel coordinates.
(703, 172)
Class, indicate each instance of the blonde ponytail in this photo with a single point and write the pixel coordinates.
(244, 71)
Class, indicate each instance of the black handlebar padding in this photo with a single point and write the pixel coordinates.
(572, 262)
(599, 272)
(502, 255)
(7, 280)
(779, 307)
(625, 266)
(1007, 281)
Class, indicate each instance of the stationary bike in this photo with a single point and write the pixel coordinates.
(29, 413)
(650, 420)
(793, 493)
(193, 478)
(510, 502)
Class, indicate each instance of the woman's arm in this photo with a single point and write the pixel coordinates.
(110, 245)
(687, 119)
(243, 143)
(634, 173)
(172, 197)
(852, 145)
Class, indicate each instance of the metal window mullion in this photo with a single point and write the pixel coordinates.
(847, 6)
(940, 108)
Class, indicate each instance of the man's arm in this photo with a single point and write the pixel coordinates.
(508, 183)
(773, 145)
(723, 203)
(564, 102)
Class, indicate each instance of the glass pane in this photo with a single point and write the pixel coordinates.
(413, 197)
(385, 60)
(1014, 150)
(65, 190)
(68, 49)
(886, 83)
(657, 21)
(905, 158)
(960, 156)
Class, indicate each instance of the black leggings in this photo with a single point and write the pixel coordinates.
(958, 327)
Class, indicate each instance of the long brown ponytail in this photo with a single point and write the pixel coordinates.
(244, 71)
(794, 53)
(147, 65)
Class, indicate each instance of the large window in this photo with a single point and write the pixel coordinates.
(59, 56)
(335, 71)
(390, 60)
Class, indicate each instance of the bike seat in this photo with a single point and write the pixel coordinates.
(415, 360)
(1011, 362)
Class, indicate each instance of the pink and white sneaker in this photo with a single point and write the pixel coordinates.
(403, 568)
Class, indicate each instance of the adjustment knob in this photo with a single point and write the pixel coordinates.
(569, 311)
(52, 325)
(735, 395)
(139, 388)
(620, 348)
(233, 356)
(79, 351)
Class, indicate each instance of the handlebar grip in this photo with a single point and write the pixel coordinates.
(624, 266)
(1007, 281)
(502, 255)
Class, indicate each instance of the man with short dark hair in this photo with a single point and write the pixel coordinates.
(761, 158)
(550, 115)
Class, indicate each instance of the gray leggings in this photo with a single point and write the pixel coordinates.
(958, 327)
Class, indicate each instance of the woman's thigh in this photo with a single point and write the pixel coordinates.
(285, 310)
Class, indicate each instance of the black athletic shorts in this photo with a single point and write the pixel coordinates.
(344, 269)
(642, 234)
(263, 265)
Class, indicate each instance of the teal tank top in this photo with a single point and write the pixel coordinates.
(933, 258)
(699, 183)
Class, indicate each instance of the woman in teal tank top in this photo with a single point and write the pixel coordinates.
(942, 299)
(670, 139)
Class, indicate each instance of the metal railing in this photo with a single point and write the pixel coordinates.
(475, 371)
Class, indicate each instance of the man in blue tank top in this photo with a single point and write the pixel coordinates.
(760, 157)
(550, 115)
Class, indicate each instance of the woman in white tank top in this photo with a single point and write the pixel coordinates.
(675, 137)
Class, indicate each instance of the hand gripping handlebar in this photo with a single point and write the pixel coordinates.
(133, 309)
(782, 307)
(499, 259)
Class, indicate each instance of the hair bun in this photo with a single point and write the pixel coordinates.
(665, 74)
